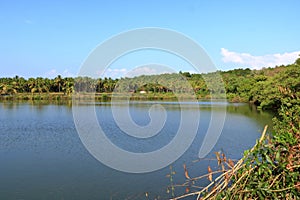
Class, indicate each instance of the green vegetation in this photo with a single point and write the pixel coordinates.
(262, 87)
(271, 169)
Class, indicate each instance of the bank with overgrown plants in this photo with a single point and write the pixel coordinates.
(271, 169)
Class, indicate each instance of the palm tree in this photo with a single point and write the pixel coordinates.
(31, 85)
(7, 89)
(68, 86)
(38, 85)
(58, 82)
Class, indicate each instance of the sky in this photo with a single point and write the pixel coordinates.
(47, 38)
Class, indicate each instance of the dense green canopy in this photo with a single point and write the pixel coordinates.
(267, 87)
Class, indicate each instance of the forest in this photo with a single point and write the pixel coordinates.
(264, 87)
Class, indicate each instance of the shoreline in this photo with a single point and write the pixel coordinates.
(109, 96)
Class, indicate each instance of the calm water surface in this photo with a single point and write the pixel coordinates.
(42, 157)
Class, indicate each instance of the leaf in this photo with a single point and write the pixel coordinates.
(246, 152)
(209, 169)
(186, 174)
(218, 157)
(224, 157)
(231, 163)
(187, 190)
(277, 157)
(210, 177)
(210, 173)
(168, 191)
(259, 171)
(269, 160)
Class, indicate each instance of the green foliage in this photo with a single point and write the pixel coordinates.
(275, 164)
(267, 88)
(272, 169)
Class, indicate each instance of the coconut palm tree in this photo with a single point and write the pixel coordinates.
(58, 82)
(6, 88)
(68, 86)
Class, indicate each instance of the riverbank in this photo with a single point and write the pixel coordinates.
(56, 96)
(271, 169)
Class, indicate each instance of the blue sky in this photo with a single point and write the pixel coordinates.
(46, 38)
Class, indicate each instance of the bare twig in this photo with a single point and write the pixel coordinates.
(221, 182)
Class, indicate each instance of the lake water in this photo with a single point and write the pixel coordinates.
(42, 156)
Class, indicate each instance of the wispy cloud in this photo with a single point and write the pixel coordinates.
(257, 62)
(53, 73)
(149, 70)
(113, 73)
(28, 21)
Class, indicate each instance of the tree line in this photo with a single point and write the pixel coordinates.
(263, 87)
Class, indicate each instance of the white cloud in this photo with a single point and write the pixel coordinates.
(257, 62)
